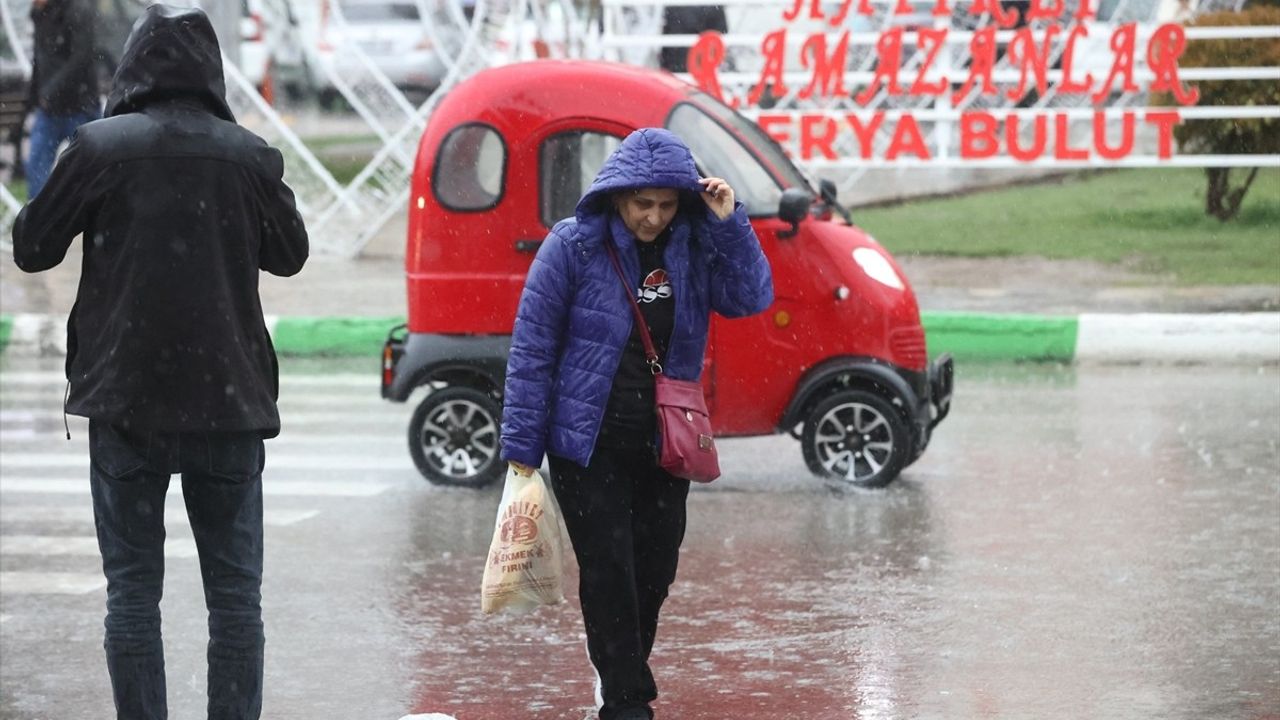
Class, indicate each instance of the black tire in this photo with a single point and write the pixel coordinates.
(856, 437)
(453, 437)
(300, 87)
(330, 100)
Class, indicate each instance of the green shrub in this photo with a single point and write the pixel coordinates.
(1230, 136)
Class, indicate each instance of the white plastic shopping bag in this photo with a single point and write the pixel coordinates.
(525, 560)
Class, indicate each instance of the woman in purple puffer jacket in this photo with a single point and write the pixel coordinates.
(579, 389)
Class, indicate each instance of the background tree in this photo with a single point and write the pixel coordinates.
(1239, 135)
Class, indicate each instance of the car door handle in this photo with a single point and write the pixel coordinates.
(528, 246)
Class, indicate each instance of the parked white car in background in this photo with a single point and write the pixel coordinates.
(272, 52)
(391, 33)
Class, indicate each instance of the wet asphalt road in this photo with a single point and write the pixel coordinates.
(1077, 543)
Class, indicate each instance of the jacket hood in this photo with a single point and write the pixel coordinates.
(647, 158)
(171, 54)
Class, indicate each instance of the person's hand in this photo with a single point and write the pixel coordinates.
(521, 469)
(718, 196)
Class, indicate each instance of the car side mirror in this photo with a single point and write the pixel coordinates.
(830, 196)
(792, 208)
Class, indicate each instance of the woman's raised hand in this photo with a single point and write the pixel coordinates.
(718, 196)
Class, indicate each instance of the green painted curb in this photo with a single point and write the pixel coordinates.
(332, 336)
(967, 336)
(979, 336)
(6, 326)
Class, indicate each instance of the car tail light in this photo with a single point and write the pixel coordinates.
(388, 366)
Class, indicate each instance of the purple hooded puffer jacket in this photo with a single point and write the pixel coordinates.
(574, 317)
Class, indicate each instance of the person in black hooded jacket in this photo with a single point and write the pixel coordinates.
(167, 351)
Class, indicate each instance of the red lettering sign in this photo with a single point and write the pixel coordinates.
(1163, 53)
(889, 62)
(866, 134)
(774, 49)
(1022, 135)
(828, 71)
(1123, 41)
(978, 135)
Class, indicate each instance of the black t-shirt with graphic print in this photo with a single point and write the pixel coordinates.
(629, 420)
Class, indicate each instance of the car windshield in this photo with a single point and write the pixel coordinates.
(771, 152)
(720, 152)
(372, 12)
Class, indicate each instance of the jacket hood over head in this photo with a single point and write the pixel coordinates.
(171, 54)
(647, 158)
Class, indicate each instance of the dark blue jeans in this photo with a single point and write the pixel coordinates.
(222, 486)
(47, 133)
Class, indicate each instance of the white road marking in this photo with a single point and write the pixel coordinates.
(270, 488)
(368, 380)
(80, 545)
(283, 518)
(394, 419)
(276, 461)
(27, 439)
(50, 583)
(175, 516)
(300, 401)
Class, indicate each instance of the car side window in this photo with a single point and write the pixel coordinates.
(470, 168)
(567, 164)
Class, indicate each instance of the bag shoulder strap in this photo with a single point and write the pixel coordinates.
(650, 353)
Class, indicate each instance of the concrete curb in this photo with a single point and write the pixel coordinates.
(971, 337)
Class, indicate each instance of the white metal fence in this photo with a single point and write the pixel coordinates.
(343, 217)
(632, 32)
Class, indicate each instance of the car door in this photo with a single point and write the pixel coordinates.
(754, 356)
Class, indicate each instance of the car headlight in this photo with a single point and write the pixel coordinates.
(877, 267)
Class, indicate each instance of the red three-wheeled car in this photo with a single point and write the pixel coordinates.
(839, 360)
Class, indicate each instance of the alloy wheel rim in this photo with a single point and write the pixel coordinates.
(854, 442)
(459, 439)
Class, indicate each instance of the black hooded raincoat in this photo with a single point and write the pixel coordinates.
(179, 208)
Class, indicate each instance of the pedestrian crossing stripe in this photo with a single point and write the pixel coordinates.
(29, 439)
(79, 546)
(332, 423)
(175, 516)
(270, 488)
(370, 380)
(50, 583)
(11, 418)
(302, 401)
(275, 461)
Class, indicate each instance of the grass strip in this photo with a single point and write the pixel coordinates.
(332, 336)
(1146, 220)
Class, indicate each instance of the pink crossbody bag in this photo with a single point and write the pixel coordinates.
(687, 449)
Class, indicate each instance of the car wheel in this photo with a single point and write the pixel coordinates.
(856, 437)
(453, 437)
(330, 99)
(301, 87)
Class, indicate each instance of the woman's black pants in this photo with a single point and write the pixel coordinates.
(626, 518)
